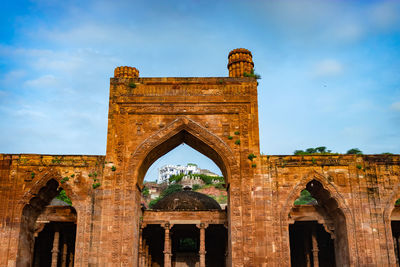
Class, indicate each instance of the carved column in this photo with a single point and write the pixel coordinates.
(202, 250)
(307, 250)
(141, 246)
(149, 261)
(64, 255)
(315, 246)
(167, 245)
(71, 260)
(396, 249)
(54, 251)
(143, 257)
(146, 255)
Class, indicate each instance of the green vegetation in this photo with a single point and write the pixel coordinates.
(237, 142)
(95, 185)
(56, 160)
(230, 137)
(252, 74)
(96, 182)
(221, 199)
(397, 202)
(172, 188)
(354, 151)
(253, 165)
(311, 151)
(251, 156)
(63, 197)
(63, 180)
(206, 179)
(196, 187)
(305, 198)
(113, 168)
(236, 132)
(322, 150)
(145, 192)
(359, 166)
(132, 85)
(32, 175)
(176, 178)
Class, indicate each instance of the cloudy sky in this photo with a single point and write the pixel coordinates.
(330, 69)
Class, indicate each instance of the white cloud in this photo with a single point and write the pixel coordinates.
(44, 81)
(328, 67)
(395, 106)
(30, 113)
(386, 14)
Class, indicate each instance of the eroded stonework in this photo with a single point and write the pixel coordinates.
(217, 116)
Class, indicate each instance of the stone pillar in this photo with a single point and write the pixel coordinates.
(64, 255)
(202, 250)
(54, 251)
(396, 249)
(307, 250)
(315, 246)
(140, 247)
(143, 256)
(149, 261)
(146, 255)
(71, 260)
(167, 245)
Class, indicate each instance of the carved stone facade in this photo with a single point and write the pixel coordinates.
(217, 116)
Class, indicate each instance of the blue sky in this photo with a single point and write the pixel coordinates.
(330, 69)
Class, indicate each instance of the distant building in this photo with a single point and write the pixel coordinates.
(166, 171)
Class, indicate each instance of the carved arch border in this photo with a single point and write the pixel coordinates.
(51, 173)
(229, 169)
(387, 213)
(342, 205)
(79, 203)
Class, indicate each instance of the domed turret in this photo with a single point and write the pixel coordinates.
(126, 72)
(240, 61)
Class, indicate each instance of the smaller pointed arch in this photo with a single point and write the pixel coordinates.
(35, 202)
(331, 211)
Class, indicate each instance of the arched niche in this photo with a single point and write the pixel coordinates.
(395, 229)
(320, 217)
(29, 226)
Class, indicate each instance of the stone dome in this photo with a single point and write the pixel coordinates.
(187, 200)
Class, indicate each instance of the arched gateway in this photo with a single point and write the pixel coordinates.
(217, 116)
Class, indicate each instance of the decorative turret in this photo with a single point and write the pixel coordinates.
(126, 72)
(240, 62)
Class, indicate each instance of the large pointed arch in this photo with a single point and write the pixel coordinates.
(182, 130)
(334, 195)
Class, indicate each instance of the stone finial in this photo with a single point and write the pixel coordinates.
(126, 72)
(240, 62)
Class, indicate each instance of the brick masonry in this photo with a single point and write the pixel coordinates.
(218, 116)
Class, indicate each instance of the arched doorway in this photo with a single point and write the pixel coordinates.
(395, 226)
(190, 133)
(317, 230)
(47, 230)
